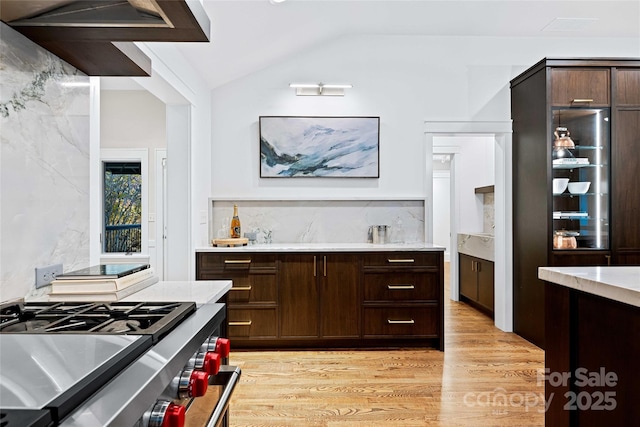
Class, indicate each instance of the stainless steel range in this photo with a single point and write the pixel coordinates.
(142, 364)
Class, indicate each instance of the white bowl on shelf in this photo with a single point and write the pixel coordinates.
(579, 187)
(559, 185)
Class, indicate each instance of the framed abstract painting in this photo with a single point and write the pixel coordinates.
(332, 147)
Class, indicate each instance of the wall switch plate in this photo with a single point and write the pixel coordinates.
(45, 275)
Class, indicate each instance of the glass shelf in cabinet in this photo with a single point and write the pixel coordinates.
(586, 219)
(570, 195)
(569, 167)
(589, 147)
(580, 248)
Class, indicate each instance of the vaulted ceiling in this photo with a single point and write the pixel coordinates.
(248, 35)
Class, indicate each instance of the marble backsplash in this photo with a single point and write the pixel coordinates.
(488, 213)
(320, 221)
(44, 164)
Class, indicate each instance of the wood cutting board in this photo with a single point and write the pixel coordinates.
(239, 241)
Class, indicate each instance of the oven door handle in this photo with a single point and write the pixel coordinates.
(228, 376)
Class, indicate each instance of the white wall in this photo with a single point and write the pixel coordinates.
(406, 80)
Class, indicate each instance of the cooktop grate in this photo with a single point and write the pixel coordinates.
(138, 318)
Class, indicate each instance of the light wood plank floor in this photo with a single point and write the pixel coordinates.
(485, 377)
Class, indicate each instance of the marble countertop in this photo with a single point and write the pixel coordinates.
(198, 291)
(328, 247)
(479, 245)
(618, 283)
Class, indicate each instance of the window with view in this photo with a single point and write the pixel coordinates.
(122, 207)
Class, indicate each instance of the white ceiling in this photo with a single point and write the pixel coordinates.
(249, 35)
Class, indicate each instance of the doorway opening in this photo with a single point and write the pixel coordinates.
(466, 209)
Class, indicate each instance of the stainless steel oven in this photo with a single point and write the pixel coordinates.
(114, 364)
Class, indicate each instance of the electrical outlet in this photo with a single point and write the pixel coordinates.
(45, 275)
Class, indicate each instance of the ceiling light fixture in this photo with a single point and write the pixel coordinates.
(276, 1)
(317, 89)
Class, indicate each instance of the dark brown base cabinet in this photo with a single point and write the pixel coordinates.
(598, 101)
(331, 300)
(476, 279)
(591, 360)
(319, 296)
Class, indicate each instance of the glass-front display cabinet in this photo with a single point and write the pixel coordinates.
(580, 184)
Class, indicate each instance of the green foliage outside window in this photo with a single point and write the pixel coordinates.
(122, 207)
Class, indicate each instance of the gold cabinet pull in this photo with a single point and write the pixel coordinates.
(608, 258)
(315, 266)
(237, 261)
(581, 100)
(401, 322)
(241, 323)
(325, 266)
(395, 287)
(241, 288)
(401, 260)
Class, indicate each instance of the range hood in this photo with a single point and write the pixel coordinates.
(96, 36)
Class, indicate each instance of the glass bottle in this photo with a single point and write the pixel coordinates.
(235, 231)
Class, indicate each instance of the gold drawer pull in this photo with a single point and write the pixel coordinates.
(241, 288)
(402, 260)
(401, 322)
(237, 261)
(581, 100)
(241, 323)
(395, 287)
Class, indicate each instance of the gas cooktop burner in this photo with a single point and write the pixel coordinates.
(139, 318)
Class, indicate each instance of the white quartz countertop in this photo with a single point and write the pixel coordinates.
(329, 247)
(618, 283)
(198, 291)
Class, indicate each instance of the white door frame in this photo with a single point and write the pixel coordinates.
(446, 174)
(161, 211)
(501, 132)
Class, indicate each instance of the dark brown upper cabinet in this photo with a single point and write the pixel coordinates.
(580, 87)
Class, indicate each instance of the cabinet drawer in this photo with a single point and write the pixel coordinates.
(402, 259)
(405, 321)
(580, 87)
(400, 286)
(248, 288)
(252, 323)
(627, 87)
(236, 261)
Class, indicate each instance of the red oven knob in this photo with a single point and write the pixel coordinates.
(198, 383)
(189, 383)
(222, 346)
(166, 414)
(174, 416)
(211, 363)
(206, 361)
